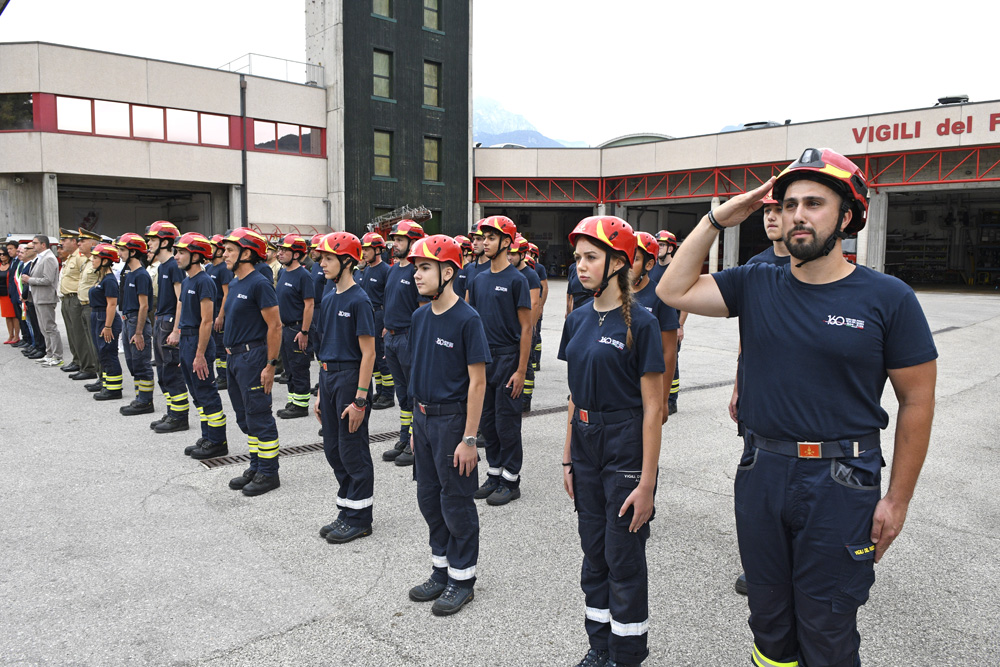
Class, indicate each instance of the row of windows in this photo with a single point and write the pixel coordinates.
(382, 78)
(432, 12)
(384, 156)
(21, 111)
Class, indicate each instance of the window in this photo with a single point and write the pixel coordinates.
(382, 8)
(73, 115)
(432, 152)
(432, 15)
(383, 153)
(16, 111)
(147, 122)
(288, 138)
(263, 135)
(432, 84)
(112, 118)
(214, 130)
(382, 81)
(182, 126)
(312, 141)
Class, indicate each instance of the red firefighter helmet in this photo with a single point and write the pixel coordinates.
(293, 242)
(196, 244)
(663, 236)
(341, 243)
(247, 238)
(464, 242)
(372, 240)
(163, 229)
(501, 224)
(132, 241)
(648, 244)
(832, 169)
(439, 248)
(105, 251)
(609, 231)
(408, 228)
(520, 245)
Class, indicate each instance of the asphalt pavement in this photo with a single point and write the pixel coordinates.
(119, 550)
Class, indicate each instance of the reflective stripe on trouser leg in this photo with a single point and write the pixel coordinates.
(382, 374)
(675, 386)
(347, 453)
(296, 364)
(607, 462)
(397, 355)
(762, 660)
(220, 350)
(252, 406)
(387, 382)
(139, 362)
(501, 420)
(203, 391)
(808, 575)
(445, 498)
(111, 367)
(168, 368)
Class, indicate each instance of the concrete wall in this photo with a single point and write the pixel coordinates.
(21, 204)
(287, 190)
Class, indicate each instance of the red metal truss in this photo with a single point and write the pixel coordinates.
(538, 190)
(946, 165)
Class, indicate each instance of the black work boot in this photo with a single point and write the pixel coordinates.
(594, 658)
(106, 395)
(172, 424)
(221, 383)
(261, 484)
(344, 533)
(487, 489)
(153, 425)
(190, 448)
(330, 527)
(282, 379)
(405, 457)
(391, 454)
(503, 495)
(237, 483)
(452, 600)
(383, 401)
(292, 411)
(137, 407)
(427, 591)
(94, 386)
(210, 450)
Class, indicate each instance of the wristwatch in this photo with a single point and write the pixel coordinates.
(470, 440)
(272, 362)
(304, 332)
(360, 402)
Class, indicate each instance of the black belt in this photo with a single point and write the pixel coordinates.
(612, 417)
(239, 349)
(436, 409)
(291, 324)
(334, 366)
(169, 318)
(506, 349)
(396, 332)
(189, 330)
(833, 449)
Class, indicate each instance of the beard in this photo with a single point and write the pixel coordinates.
(806, 250)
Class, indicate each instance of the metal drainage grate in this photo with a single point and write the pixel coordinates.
(289, 451)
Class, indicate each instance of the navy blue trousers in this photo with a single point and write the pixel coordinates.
(347, 453)
(804, 528)
(253, 407)
(203, 392)
(501, 421)
(445, 498)
(385, 386)
(607, 465)
(107, 353)
(296, 364)
(397, 356)
(167, 360)
(138, 361)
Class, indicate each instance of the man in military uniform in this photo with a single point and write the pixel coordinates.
(86, 240)
(69, 283)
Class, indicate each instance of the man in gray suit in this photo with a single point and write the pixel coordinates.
(44, 281)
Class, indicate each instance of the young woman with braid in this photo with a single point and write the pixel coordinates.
(615, 372)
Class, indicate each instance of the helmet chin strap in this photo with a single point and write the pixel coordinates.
(497, 253)
(442, 283)
(831, 241)
(642, 274)
(605, 279)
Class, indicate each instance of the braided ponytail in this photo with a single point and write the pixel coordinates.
(625, 287)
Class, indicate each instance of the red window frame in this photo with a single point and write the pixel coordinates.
(317, 131)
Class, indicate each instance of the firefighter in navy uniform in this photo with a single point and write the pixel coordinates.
(136, 298)
(447, 382)
(253, 341)
(401, 299)
(776, 254)
(296, 305)
(667, 243)
(644, 291)
(809, 519)
(105, 325)
(501, 295)
(160, 238)
(373, 283)
(197, 346)
(468, 257)
(346, 361)
(536, 263)
(222, 277)
(519, 254)
(615, 370)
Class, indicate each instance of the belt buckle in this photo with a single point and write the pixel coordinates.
(810, 450)
(584, 417)
(229, 350)
(323, 365)
(423, 408)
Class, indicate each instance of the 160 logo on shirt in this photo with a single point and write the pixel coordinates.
(838, 321)
(611, 341)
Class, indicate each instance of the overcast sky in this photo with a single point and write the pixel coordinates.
(579, 72)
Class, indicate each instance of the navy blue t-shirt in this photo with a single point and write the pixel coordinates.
(540, 270)
(344, 317)
(194, 290)
(294, 287)
(168, 274)
(372, 281)
(470, 270)
(222, 276)
(498, 297)
(135, 282)
(575, 288)
(401, 296)
(534, 282)
(656, 273)
(247, 297)
(106, 289)
(768, 257)
(319, 281)
(264, 269)
(815, 356)
(441, 348)
(458, 282)
(603, 373)
(667, 316)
